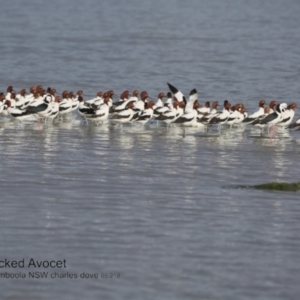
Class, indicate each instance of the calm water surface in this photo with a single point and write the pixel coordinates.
(155, 205)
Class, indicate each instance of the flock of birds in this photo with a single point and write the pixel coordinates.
(40, 104)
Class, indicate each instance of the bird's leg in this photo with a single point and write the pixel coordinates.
(22, 124)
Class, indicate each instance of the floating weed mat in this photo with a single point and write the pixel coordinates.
(273, 186)
(279, 186)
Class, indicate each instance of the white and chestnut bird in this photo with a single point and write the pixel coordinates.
(222, 118)
(12, 99)
(9, 91)
(170, 116)
(140, 104)
(235, 115)
(276, 116)
(256, 123)
(101, 112)
(242, 115)
(134, 96)
(272, 106)
(295, 124)
(169, 100)
(168, 106)
(287, 115)
(205, 118)
(54, 109)
(126, 115)
(260, 112)
(29, 97)
(147, 114)
(66, 104)
(272, 118)
(21, 101)
(39, 106)
(96, 100)
(122, 103)
(178, 95)
(85, 109)
(123, 97)
(76, 102)
(159, 104)
(204, 110)
(189, 118)
(17, 113)
(3, 105)
(190, 103)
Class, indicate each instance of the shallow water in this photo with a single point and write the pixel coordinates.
(155, 205)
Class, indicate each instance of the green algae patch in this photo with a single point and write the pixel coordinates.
(278, 186)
